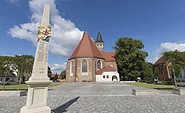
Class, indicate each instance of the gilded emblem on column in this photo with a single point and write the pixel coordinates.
(44, 33)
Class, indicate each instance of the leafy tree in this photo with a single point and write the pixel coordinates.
(129, 58)
(147, 72)
(55, 77)
(176, 60)
(6, 65)
(63, 74)
(24, 65)
(156, 71)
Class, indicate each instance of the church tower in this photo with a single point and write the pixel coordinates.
(99, 42)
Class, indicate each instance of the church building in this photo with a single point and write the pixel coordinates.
(89, 62)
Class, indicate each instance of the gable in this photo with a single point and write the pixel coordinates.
(86, 48)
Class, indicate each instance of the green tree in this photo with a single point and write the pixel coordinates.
(176, 60)
(156, 71)
(55, 77)
(24, 65)
(129, 58)
(6, 65)
(147, 72)
(63, 74)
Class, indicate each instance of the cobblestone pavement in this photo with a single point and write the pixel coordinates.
(100, 98)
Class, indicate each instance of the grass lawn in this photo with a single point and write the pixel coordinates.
(154, 86)
(25, 87)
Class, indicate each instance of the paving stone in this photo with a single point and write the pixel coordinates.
(100, 98)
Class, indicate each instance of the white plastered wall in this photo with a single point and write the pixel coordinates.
(100, 78)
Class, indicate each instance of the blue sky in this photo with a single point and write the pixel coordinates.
(159, 24)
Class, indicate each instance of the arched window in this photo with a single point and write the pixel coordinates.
(71, 68)
(84, 65)
(98, 64)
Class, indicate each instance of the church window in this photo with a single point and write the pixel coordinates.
(99, 64)
(71, 67)
(103, 76)
(84, 65)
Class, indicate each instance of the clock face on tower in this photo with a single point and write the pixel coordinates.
(44, 33)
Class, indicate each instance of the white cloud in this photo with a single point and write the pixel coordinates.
(65, 35)
(168, 46)
(58, 68)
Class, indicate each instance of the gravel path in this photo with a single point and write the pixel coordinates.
(100, 98)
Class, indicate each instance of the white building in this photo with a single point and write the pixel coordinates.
(107, 74)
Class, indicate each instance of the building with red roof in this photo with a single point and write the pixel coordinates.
(89, 59)
(165, 71)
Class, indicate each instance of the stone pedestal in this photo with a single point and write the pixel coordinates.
(37, 98)
(179, 91)
(144, 92)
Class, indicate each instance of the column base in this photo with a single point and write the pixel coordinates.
(44, 109)
(37, 97)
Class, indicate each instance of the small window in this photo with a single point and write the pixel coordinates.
(107, 76)
(84, 65)
(103, 76)
(99, 64)
(97, 44)
(100, 44)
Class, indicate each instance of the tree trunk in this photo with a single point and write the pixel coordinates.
(20, 80)
(18, 76)
(4, 82)
(175, 82)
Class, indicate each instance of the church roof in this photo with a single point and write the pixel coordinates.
(159, 61)
(109, 56)
(99, 38)
(86, 48)
(109, 68)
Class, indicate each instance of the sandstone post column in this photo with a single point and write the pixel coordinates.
(39, 81)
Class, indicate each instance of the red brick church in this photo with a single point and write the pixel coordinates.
(89, 62)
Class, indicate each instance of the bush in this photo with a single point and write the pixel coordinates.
(63, 74)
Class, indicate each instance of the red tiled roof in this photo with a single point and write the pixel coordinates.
(86, 48)
(159, 61)
(55, 74)
(105, 69)
(109, 56)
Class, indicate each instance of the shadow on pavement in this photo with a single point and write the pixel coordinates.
(63, 108)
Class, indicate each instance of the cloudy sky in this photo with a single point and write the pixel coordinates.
(159, 24)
